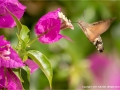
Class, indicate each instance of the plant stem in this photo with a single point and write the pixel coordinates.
(36, 38)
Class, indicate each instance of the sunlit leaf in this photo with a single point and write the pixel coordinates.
(24, 34)
(25, 57)
(21, 44)
(23, 37)
(43, 63)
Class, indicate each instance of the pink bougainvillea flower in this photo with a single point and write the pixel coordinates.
(14, 6)
(99, 63)
(112, 74)
(106, 71)
(49, 26)
(8, 80)
(8, 57)
(32, 65)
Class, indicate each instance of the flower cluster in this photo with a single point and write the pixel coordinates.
(50, 25)
(9, 58)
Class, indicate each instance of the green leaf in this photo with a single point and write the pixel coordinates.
(21, 43)
(23, 38)
(43, 63)
(22, 53)
(19, 25)
(25, 73)
(17, 73)
(24, 34)
(25, 57)
(25, 68)
(23, 30)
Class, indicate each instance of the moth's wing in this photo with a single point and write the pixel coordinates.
(97, 28)
(97, 41)
(85, 28)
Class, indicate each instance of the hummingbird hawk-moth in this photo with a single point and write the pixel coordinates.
(94, 30)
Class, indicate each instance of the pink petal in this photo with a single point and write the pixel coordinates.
(8, 56)
(99, 63)
(2, 41)
(51, 23)
(112, 75)
(14, 61)
(6, 21)
(2, 80)
(47, 21)
(52, 35)
(32, 65)
(13, 83)
(68, 38)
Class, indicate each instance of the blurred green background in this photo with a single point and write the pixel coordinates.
(71, 61)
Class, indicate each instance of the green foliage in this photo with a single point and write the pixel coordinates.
(36, 56)
(43, 63)
(25, 73)
(24, 34)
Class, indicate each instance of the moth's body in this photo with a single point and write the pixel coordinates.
(99, 44)
(94, 30)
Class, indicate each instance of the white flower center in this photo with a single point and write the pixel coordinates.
(65, 23)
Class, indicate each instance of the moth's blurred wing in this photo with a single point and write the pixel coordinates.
(97, 28)
(85, 28)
